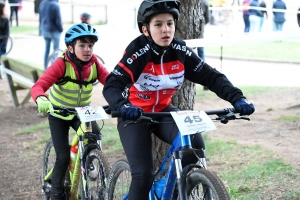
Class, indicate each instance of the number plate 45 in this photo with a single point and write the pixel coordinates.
(191, 122)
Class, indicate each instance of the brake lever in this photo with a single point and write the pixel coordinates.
(142, 120)
(230, 116)
(225, 118)
(244, 118)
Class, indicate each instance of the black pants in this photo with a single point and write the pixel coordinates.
(60, 136)
(137, 144)
(14, 9)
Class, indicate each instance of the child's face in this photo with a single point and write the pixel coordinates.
(83, 50)
(162, 29)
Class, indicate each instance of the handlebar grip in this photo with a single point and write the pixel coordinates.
(115, 114)
(55, 107)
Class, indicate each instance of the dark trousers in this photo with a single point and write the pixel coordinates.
(14, 9)
(247, 23)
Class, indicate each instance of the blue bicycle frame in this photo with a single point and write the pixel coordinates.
(170, 173)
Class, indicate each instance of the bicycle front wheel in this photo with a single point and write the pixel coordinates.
(119, 180)
(48, 164)
(203, 184)
(97, 170)
(102, 62)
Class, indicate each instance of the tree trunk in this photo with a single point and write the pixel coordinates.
(188, 27)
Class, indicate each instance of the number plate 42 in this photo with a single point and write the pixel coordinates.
(191, 122)
(91, 113)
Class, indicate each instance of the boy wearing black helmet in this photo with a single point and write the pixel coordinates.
(71, 75)
(85, 18)
(152, 69)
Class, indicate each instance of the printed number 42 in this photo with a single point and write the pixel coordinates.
(191, 119)
(91, 112)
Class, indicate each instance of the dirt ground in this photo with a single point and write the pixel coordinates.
(19, 173)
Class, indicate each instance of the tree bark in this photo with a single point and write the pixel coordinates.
(188, 27)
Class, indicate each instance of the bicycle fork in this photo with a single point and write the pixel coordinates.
(181, 178)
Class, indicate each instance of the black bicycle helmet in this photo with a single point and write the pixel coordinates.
(85, 16)
(151, 7)
(79, 30)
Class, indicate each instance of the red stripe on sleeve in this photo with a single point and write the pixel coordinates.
(127, 70)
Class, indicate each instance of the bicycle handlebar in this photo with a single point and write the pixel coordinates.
(224, 115)
(159, 114)
(69, 111)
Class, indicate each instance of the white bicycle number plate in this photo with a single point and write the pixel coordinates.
(91, 113)
(191, 122)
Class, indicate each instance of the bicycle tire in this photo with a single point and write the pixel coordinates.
(9, 44)
(198, 183)
(51, 59)
(97, 171)
(48, 163)
(49, 158)
(102, 62)
(100, 59)
(119, 180)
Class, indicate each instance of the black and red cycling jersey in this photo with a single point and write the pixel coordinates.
(147, 76)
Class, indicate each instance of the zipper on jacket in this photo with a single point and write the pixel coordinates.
(79, 96)
(163, 73)
(80, 89)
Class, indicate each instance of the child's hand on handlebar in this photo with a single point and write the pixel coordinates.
(44, 105)
(130, 112)
(244, 106)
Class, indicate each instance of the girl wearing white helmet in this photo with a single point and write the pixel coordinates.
(70, 80)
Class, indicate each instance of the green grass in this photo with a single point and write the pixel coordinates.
(277, 50)
(251, 171)
(110, 138)
(32, 129)
(289, 118)
(23, 29)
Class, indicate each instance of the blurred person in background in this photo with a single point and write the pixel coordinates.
(4, 29)
(51, 25)
(36, 11)
(212, 4)
(279, 17)
(255, 16)
(264, 14)
(246, 15)
(205, 19)
(85, 18)
(298, 16)
(14, 9)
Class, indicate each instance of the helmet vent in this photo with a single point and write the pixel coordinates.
(80, 26)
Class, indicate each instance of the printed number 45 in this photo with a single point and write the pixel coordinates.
(191, 119)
